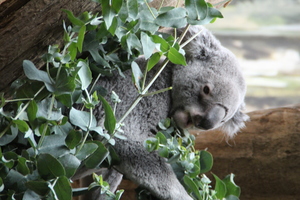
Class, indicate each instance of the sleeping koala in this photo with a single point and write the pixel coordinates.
(208, 93)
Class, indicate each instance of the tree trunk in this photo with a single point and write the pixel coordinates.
(265, 156)
(27, 27)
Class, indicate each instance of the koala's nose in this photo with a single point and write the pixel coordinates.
(202, 122)
(210, 119)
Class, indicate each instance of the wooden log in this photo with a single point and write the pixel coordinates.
(264, 156)
(27, 27)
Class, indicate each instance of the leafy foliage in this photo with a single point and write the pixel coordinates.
(45, 138)
(189, 163)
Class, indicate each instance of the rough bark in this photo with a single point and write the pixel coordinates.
(265, 156)
(27, 27)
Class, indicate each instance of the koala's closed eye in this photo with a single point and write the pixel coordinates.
(202, 55)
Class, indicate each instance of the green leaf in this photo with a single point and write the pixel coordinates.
(49, 167)
(175, 57)
(116, 5)
(197, 9)
(74, 20)
(63, 188)
(22, 166)
(147, 20)
(154, 59)
(110, 120)
(10, 135)
(32, 110)
(175, 18)
(1, 185)
(70, 163)
(192, 187)
(114, 26)
(82, 119)
(39, 187)
(108, 13)
(132, 7)
(148, 45)
(164, 45)
(97, 157)
(137, 75)
(220, 187)
(163, 152)
(73, 139)
(44, 112)
(232, 188)
(22, 125)
(206, 161)
(34, 74)
(162, 137)
(84, 74)
(81, 38)
(151, 144)
(87, 149)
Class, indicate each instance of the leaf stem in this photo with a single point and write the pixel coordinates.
(146, 2)
(89, 125)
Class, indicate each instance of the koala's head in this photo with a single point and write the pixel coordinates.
(209, 92)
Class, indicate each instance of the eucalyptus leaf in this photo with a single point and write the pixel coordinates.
(39, 187)
(34, 74)
(148, 45)
(73, 139)
(220, 187)
(232, 188)
(63, 188)
(137, 75)
(82, 119)
(81, 38)
(154, 59)
(206, 161)
(176, 57)
(175, 18)
(49, 167)
(191, 185)
(84, 74)
(87, 150)
(70, 163)
(110, 120)
(97, 157)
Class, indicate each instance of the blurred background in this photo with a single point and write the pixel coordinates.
(265, 36)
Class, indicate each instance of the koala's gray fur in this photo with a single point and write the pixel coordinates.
(208, 93)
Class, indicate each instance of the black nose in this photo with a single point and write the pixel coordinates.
(202, 122)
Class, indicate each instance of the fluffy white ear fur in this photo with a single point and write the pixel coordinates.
(205, 40)
(233, 126)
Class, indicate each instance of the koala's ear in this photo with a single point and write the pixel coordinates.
(201, 46)
(236, 123)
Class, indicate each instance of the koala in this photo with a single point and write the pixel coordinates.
(208, 93)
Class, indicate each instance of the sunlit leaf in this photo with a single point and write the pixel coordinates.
(176, 57)
(175, 18)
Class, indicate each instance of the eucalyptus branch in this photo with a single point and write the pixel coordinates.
(27, 104)
(89, 124)
(191, 38)
(46, 125)
(157, 92)
(149, 8)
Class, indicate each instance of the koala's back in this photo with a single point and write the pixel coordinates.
(146, 115)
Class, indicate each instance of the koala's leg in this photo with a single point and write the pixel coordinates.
(150, 171)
